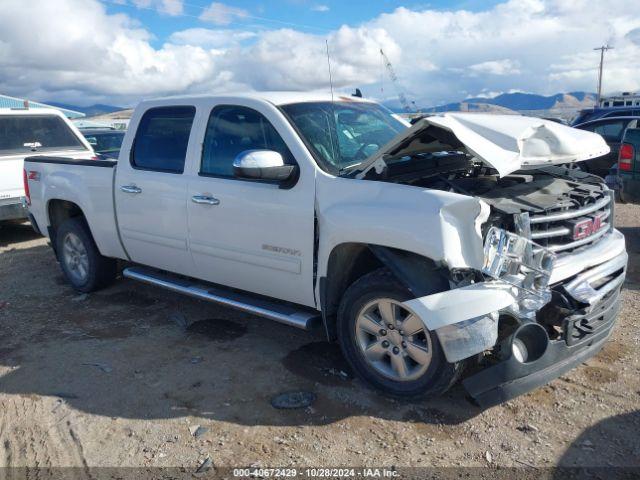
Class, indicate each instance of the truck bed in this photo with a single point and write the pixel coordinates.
(83, 182)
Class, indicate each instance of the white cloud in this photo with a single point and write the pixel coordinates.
(208, 38)
(535, 45)
(320, 8)
(222, 14)
(170, 7)
(496, 67)
(544, 46)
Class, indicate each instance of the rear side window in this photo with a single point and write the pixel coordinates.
(232, 130)
(611, 131)
(36, 133)
(162, 138)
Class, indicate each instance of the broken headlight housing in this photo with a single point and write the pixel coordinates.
(522, 263)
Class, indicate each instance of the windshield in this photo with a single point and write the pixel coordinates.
(36, 133)
(343, 134)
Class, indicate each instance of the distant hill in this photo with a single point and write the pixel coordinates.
(90, 111)
(519, 101)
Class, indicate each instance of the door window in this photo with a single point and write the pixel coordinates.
(611, 131)
(232, 130)
(162, 138)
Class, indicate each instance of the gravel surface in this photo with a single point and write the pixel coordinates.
(137, 376)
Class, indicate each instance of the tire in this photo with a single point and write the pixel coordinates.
(620, 196)
(433, 376)
(81, 262)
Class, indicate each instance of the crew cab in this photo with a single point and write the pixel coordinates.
(22, 133)
(463, 239)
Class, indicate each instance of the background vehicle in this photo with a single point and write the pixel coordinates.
(612, 130)
(105, 141)
(29, 132)
(413, 246)
(629, 165)
(596, 113)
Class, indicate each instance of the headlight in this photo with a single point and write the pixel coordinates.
(520, 262)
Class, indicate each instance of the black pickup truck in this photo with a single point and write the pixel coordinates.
(629, 166)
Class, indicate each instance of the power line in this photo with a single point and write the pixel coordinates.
(200, 7)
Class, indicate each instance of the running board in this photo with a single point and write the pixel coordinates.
(283, 313)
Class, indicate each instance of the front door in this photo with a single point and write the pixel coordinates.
(251, 235)
(151, 190)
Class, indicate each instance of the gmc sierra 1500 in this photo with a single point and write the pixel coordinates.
(459, 240)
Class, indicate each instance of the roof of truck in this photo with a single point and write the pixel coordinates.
(277, 98)
(31, 111)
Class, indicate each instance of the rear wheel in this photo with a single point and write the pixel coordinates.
(387, 345)
(620, 193)
(83, 265)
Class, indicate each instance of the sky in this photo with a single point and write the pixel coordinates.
(121, 51)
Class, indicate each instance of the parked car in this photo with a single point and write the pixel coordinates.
(596, 113)
(460, 240)
(26, 132)
(612, 130)
(629, 166)
(105, 141)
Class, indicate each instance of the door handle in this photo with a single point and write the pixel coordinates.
(130, 189)
(205, 199)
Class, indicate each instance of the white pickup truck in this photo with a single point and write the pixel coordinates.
(24, 132)
(460, 240)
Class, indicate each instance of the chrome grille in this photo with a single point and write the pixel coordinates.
(554, 231)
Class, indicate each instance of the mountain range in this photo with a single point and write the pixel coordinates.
(90, 111)
(520, 101)
(563, 104)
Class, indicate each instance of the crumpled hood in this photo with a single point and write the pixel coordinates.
(505, 142)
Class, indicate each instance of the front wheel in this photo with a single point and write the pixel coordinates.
(388, 346)
(83, 265)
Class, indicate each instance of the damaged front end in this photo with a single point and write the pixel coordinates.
(466, 319)
(533, 314)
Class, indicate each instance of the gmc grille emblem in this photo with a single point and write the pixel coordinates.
(587, 227)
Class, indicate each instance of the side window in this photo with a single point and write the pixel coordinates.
(162, 138)
(232, 130)
(611, 131)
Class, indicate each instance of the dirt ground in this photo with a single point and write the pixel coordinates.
(116, 378)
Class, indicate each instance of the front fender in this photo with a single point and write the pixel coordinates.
(442, 226)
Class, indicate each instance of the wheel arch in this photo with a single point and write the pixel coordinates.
(58, 212)
(348, 262)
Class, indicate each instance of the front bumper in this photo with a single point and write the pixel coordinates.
(12, 209)
(584, 335)
(585, 287)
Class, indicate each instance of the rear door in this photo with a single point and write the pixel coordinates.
(150, 189)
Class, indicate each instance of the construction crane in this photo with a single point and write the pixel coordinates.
(394, 78)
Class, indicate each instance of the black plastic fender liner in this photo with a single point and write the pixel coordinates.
(419, 274)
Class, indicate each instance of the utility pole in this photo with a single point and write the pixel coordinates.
(602, 49)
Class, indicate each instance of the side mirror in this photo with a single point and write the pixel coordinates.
(93, 141)
(262, 165)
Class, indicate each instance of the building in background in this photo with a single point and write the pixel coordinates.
(17, 103)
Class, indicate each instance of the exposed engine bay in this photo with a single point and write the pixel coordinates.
(549, 192)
